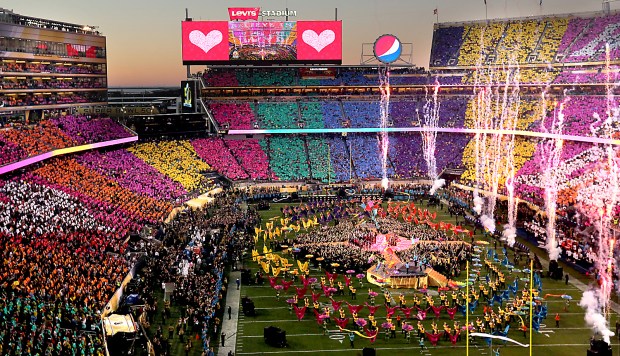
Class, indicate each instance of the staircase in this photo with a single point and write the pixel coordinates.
(500, 43)
(455, 60)
(346, 147)
(583, 32)
(268, 149)
(300, 118)
(254, 107)
(307, 154)
(390, 162)
(344, 117)
(236, 158)
(534, 54)
(436, 279)
(450, 174)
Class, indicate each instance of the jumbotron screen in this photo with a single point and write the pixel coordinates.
(247, 42)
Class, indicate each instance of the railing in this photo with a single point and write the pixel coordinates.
(206, 111)
(63, 151)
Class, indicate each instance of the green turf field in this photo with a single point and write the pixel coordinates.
(306, 336)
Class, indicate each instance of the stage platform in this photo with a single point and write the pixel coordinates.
(397, 277)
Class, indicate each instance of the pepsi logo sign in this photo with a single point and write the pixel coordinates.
(387, 48)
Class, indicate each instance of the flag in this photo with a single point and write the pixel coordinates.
(435, 11)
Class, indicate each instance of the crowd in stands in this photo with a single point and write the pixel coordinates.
(312, 114)
(409, 160)
(252, 158)
(84, 129)
(542, 40)
(56, 274)
(53, 289)
(102, 191)
(588, 43)
(54, 83)
(278, 115)
(320, 160)
(362, 113)
(27, 67)
(288, 158)
(576, 75)
(10, 152)
(341, 162)
(349, 76)
(220, 78)
(365, 151)
(62, 230)
(34, 99)
(234, 115)
(446, 45)
(217, 155)
(19, 141)
(577, 158)
(279, 77)
(132, 173)
(177, 159)
(333, 114)
(37, 139)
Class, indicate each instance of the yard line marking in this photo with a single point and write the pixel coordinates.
(405, 348)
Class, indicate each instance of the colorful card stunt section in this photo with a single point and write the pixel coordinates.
(64, 151)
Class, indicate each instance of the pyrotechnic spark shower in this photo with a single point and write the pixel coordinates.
(429, 138)
(598, 201)
(384, 110)
(495, 107)
(551, 152)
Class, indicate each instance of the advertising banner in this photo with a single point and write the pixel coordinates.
(243, 13)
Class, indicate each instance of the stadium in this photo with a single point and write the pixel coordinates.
(280, 201)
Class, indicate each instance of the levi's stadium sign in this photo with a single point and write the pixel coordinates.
(252, 13)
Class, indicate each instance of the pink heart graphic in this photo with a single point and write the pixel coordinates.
(318, 42)
(207, 42)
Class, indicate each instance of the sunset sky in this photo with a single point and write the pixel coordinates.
(144, 36)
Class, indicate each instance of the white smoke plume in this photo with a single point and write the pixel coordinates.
(553, 249)
(477, 204)
(510, 234)
(438, 183)
(590, 301)
(488, 223)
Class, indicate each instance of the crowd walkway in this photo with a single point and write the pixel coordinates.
(229, 326)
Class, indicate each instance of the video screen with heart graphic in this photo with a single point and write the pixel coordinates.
(222, 42)
(319, 40)
(205, 41)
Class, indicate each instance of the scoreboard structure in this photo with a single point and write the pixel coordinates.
(261, 42)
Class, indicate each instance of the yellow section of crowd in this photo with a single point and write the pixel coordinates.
(176, 159)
